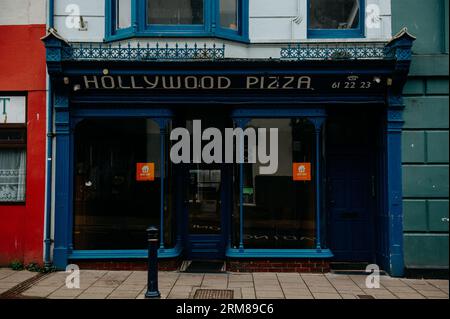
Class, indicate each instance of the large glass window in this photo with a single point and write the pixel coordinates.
(123, 14)
(175, 12)
(279, 213)
(114, 204)
(335, 18)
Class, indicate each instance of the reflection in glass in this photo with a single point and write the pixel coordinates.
(203, 201)
(123, 14)
(111, 209)
(278, 212)
(334, 14)
(229, 14)
(175, 12)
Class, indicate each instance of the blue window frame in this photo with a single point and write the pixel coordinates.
(328, 19)
(213, 22)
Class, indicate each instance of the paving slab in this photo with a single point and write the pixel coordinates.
(248, 293)
(65, 293)
(322, 295)
(18, 277)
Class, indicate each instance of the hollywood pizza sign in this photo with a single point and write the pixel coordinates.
(235, 82)
(196, 82)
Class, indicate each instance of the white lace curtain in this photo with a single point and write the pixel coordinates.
(12, 175)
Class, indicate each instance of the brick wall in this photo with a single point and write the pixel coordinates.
(246, 265)
(297, 265)
(164, 265)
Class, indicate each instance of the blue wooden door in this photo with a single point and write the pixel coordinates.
(205, 207)
(349, 207)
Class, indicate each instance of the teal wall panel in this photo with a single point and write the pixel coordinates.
(420, 215)
(425, 20)
(413, 147)
(415, 215)
(429, 112)
(437, 86)
(415, 86)
(426, 250)
(437, 147)
(438, 215)
(429, 65)
(425, 181)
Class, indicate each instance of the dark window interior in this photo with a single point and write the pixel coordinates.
(112, 210)
(278, 212)
(334, 14)
(175, 12)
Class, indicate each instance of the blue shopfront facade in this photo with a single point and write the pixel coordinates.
(340, 110)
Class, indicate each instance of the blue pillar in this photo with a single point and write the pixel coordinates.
(241, 188)
(241, 206)
(162, 132)
(62, 180)
(394, 185)
(400, 50)
(318, 123)
(240, 123)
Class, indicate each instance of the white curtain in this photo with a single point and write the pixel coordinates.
(12, 175)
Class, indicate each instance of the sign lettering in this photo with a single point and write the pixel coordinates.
(12, 110)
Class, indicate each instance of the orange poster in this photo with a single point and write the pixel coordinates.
(145, 172)
(301, 172)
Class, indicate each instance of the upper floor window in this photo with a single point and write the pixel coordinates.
(336, 18)
(177, 18)
(172, 12)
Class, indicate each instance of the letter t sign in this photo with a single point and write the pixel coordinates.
(3, 107)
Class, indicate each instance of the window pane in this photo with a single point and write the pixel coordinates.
(203, 199)
(123, 14)
(334, 14)
(112, 209)
(175, 11)
(12, 175)
(278, 212)
(229, 14)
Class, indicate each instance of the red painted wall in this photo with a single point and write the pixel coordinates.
(22, 69)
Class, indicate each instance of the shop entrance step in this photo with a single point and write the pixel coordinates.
(203, 266)
(350, 268)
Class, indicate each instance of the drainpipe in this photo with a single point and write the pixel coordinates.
(49, 160)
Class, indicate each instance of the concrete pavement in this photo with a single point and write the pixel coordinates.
(96, 284)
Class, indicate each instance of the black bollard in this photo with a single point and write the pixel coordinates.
(152, 279)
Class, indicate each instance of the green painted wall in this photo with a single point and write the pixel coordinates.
(426, 133)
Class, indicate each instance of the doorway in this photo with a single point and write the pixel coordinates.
(206, 191)
(205, 210)
(351, 186)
